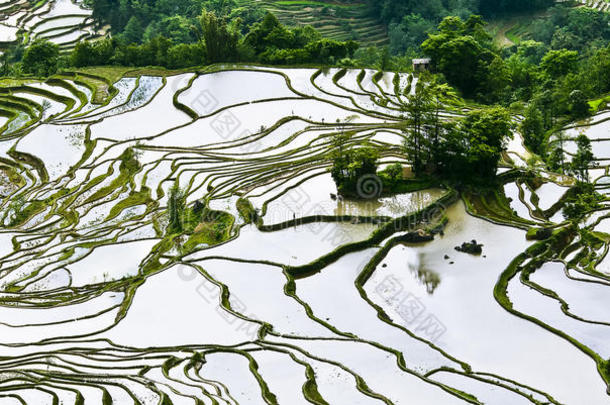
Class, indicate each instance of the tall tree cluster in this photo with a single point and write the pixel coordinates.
(463, 150)
(219, 39)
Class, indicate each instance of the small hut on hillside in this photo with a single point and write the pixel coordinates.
(420, 65)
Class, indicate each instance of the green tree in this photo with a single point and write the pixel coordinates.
(582, 199)
(583, 159)
(409, 33)
(546, 103)
(532, 129)
(41, 58)
(133, 31)
(177, 28)
(579, 105)
(351, 166)
(558, 63)
(461, 52)
(5, 64)
(257, 37)
(597, 70)
(176, 207)
(330, 51)
(87, 53)
(556, 157)
(420, 116)
(220, 42)
(184, 55)
(472, 149)
(83, 54)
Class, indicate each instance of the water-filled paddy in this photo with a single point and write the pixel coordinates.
(292, 308)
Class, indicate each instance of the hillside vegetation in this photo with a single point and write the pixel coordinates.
(340, 20)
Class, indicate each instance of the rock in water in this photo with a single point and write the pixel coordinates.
(471, 247)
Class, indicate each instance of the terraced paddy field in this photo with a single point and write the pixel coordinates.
(512, 30)
(63, 22)
(601, 5)
(338, 19)
(274, 292)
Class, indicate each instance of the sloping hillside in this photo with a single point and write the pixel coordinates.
(341, 20)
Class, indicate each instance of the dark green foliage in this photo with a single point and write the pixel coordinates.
(579, 106)
(88, 53)
(572, 28)
(169, 43)
(557, 63)
(409, 21)
(394, 172)
(556, 155)
(177, 29)
(420, 111)
(496, 7)
(532, 129)
(118, 13)
(461, 51)
(351, 166)
(463, 151)
(575, 53)
(545, 102)
(596, 75)
(41, 58)
(220, 7)
(278, 44)
(583, 159)
(184, 55)
(409, 33)
(546, 71)
(556, 160)
(395, 10)
(220, 41)
(470, 152)
(133, 30)
(539, 233)
(582, 199)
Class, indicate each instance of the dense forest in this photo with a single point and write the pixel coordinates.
(394, 10)
(410, 21)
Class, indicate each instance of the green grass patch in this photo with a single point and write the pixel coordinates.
(133, 200)
(214, 228)
(247, 211)
(599, 104)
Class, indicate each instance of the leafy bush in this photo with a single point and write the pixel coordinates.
(394, 172)
(582, 200)
(41, 58)
(350, 166)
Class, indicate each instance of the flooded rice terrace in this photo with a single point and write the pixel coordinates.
(277, 291)
(61, 22)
